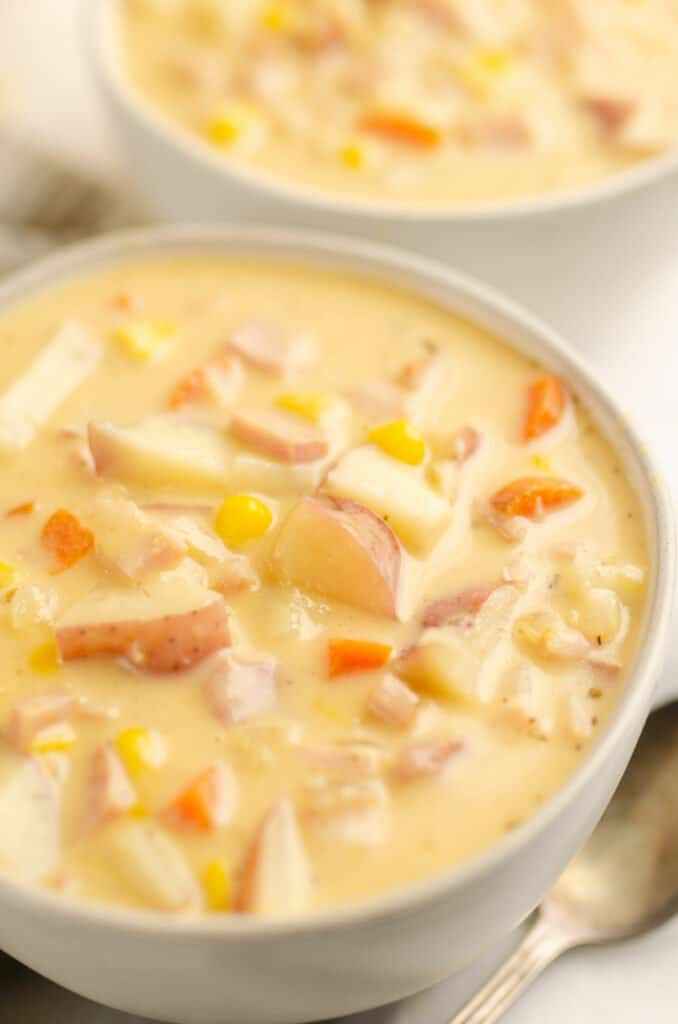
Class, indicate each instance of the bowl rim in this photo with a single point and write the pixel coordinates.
(104, 50)
(468, 298)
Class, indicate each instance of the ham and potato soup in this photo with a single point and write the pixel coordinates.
(415, 101)
(309, 588)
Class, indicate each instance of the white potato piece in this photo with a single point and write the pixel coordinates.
(162, 449)
(55, 373)
(394, 490)
(341, 550)
(153, 866)
(276, 878)
(30, 819)
(166, 628)
(255, 473)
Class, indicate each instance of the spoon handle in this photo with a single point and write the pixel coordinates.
(542, 944)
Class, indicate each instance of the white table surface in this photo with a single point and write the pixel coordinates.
(46, 90)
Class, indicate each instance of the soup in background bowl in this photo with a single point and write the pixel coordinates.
(414, 102)
(324, 572)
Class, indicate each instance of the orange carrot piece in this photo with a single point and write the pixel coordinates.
(546, 401)
(208, 802)
(65, 540)
(20, 510)
(346, 656)
(191, 388)
(401, 127)
(533, 496)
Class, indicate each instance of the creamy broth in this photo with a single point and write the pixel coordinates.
(334, 772)
(415, 101)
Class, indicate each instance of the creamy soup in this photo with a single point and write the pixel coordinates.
(310, 589)
(415, 101)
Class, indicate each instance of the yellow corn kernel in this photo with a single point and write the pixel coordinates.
(400, 440)
(542, 463)
(310, 406)
(141, 749)
(7, 576)
(45, 659)
(479, 69)
(139, 810)
(143, 340)
(353, 156)
(56, 738)
(277, 17)
(334, 712)
(232, 124)
(216, 881)
(242, 518)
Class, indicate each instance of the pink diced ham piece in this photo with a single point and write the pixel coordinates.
(266, 348)
(417, 372)
(467, 441)
(463, 605)
(425, 759)
(111, 790)
(393, 702)
(278, 436)
(611, 112)
(32, 715)
(238, 689)
(349, 761)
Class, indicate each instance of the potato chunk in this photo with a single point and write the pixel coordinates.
(394, 490)
(162, 449)
(153, 866)
(341, 550)
(276, 877)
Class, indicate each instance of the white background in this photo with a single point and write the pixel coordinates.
(45, 88)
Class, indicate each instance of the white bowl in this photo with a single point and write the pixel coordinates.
(604, 238)
(248, 971)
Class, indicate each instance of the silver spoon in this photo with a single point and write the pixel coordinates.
(623, 883)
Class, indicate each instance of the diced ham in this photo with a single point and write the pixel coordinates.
(267, 348)
(353, 760)
(129, 541)
(219, 380)
(353, 812)
(111, 789)
(378, 400)
(425, 758)
(393, 702)
(276, 876)
(455, 608)
(604, 662)
(89, 709)
(238, 689)
(498, 131)
(611, 112)
(467, 441)
(277, 435)
(32, 715)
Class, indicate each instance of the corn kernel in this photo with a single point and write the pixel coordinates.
(277, 17)
(143, 340)
(141, 749)
(353, 156)
(542, 463)
(56, 738)
(216, 880)
(333, 711)
(479, 69)
(310, 406)
(233, 124)
(8, 576)
(139, 810)
(242, 518)
(45, 659)
(400, 440)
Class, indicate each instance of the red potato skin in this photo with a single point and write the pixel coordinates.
(373, 540)
(167, 645)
